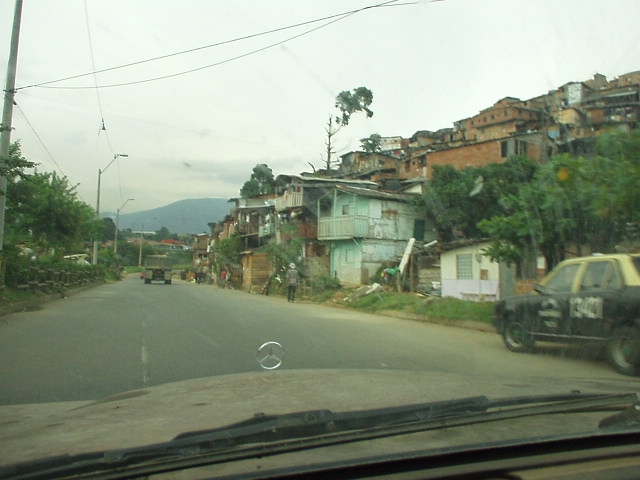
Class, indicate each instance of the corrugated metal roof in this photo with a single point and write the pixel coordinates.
(611, 93)
(336, 181)
(365, 192)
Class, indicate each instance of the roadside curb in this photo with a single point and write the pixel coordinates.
(446, 322)
(40, 299)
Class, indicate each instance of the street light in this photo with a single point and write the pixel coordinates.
(140, 248)
(100, 172)
(115, 240)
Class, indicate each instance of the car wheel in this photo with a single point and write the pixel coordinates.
(515, 336)
(624, 350)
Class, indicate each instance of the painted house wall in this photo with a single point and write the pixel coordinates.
(356, 261)
(376, 254)
(390, 226)
(346, 258)
(387, 219)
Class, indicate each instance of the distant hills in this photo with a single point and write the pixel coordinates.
(189, 216)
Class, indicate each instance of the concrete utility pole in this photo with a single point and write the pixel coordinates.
(140, 249)
(100, 172)
(7, 114)
(115, 239)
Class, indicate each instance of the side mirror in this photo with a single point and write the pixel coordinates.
(539, 288)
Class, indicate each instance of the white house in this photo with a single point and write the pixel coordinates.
(466, 273)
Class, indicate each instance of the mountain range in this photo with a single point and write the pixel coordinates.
(189, 216)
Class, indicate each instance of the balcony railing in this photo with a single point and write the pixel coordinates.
(343, 227)
(288, 200)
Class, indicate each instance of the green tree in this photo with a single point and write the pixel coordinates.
(561, 210)
(373, 143)
(289, 251)
(262, 182)
(350, 102)
(128, 253)
(44, 208)
(516, 233)
(14, 168)
(108, 230)
(162, 234)
(617, 163)
(459, 199)
(227, 252)
(447, 202)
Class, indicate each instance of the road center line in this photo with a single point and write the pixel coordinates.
(144, 358)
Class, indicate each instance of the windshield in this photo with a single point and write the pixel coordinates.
(219, 209)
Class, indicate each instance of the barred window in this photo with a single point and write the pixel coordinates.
(464, 266)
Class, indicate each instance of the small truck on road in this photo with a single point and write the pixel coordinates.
(157, 267)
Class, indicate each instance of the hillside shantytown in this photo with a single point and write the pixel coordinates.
(352, 222)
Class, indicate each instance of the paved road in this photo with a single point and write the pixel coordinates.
(128, 335)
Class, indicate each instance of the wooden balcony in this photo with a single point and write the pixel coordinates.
(288, 200)
(343, 227)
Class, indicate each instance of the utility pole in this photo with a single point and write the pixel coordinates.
(100, 172)
(7, 116)
(115, 238)
(140, 249)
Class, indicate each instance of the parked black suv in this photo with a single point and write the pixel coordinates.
(585, 299)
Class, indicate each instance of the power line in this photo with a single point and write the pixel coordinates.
(164, 125)
(193, 70)
(332, 19)
(93, 67)
(97, 90)
(44, 147)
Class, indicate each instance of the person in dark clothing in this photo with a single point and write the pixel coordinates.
(292, 281)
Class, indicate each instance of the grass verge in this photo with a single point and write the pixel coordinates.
(418, 305)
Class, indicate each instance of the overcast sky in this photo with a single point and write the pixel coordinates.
(256, 97)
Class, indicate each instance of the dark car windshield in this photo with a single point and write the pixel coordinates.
(563, 279)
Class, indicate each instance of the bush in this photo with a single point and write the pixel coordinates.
(16, 272)
(323, 283)
(18, 269)
(430, 307)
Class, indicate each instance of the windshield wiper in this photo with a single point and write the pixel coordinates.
(273, 434)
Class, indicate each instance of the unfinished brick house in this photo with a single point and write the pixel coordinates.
(567, 119)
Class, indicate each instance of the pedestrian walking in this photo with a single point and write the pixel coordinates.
(292, 281)
(223, 278)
